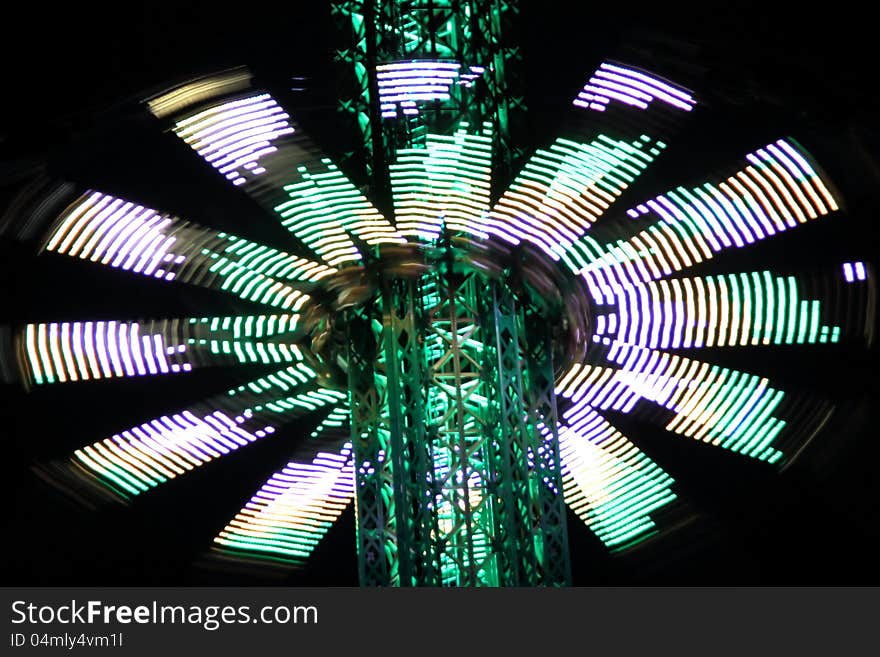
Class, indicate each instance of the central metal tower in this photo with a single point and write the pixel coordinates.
(450, 364)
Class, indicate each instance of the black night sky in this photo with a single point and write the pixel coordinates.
(71, 86)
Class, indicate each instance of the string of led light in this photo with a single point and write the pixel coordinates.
(713, 404)
(714, 311)
(404, 85)
(294, 509)
(777, 192)
(76, 351)
(110, 231)
(564, 189)
(144, 456)
(324, 207)
(632, 87)
(248, 138)
(609, 483)
(446, 183)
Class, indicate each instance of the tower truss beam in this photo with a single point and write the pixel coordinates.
(458, 479)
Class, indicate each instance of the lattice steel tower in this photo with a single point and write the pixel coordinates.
(451, 367)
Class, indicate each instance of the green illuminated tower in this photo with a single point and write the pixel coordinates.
(451, 368)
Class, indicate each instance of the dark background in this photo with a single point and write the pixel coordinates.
(72, 79)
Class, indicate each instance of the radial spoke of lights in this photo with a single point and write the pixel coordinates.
(609, 483)
(294, 509)
(749, 308)
(120, 234)
(80, 351)
(445, 184)
(325, 207)
(713, 404)
(777, 191)
(146, 455)
(631, 87)
(234, 136)
(566, 188)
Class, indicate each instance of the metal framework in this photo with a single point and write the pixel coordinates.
(474, 33)
(457, 470)
(458, 479)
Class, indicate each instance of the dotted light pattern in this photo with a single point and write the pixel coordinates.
(248, 326)
(292, 511)
(74, 351)
(324, 207)
(233, 136)
(714, 311)
(336, 419)
(564, 189)
(778, 191)
(151, 453)
(445, 183)
(712, 404)
(403, 85)
(632, 87)
(120, 234)
(220, 348)
(231, 337)
(609, 483)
